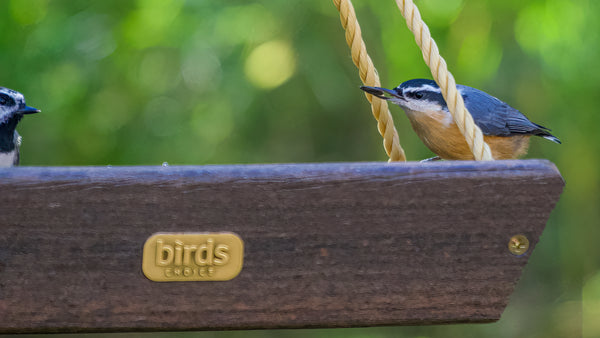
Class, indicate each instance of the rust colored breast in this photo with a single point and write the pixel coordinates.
(446, 141)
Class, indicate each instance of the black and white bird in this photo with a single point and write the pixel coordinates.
(12, 109)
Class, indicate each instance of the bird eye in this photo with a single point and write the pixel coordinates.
(419, 95)
(6, 100)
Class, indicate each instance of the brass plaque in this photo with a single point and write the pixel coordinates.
(179, 257)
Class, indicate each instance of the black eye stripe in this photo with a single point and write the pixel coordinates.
(418, 94)
(6, 100)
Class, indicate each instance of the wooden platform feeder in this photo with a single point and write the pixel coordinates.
(325, 245)
(93, 249)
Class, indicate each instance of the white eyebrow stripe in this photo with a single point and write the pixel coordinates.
(431, 89)
(426, 87)
(19, 98)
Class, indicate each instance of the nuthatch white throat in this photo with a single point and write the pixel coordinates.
(505, 129)
(12, 109)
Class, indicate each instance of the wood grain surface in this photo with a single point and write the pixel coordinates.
(325, 245)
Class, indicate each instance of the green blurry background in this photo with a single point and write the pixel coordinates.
(204, 82)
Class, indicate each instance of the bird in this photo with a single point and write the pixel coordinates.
(12, 110)
(505, 129)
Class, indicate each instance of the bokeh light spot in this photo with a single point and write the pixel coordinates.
(95, 37)
(201, 70)
(246, 24)
(479, 56)
(110, 109)
(27, 12)
(164, 116)
(441, 11)
(148, 25)
(158, 70)
(212, 122)
(64, 83)
(270, 64)
(553, 30)
(591, 306)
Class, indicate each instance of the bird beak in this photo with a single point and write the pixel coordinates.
(380, 92)
(28, 110)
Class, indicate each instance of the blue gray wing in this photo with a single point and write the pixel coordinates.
(497, 118)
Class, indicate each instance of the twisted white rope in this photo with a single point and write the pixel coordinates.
(368, 75)
(445, 80)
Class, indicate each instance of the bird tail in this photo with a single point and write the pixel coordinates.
(551, 138)
(545, 133)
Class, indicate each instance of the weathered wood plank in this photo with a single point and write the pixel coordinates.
(326, 245)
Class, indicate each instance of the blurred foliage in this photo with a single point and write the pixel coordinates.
(198, 81)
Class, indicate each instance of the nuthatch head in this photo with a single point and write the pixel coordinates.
(505, 129)
(12, 109)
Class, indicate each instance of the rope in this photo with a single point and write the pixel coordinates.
(368, 75)
(445, 80)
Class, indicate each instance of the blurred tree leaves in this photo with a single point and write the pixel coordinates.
(199, 81)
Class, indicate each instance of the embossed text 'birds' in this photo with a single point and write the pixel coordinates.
(171, 257)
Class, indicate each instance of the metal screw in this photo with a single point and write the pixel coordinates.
(518, 245)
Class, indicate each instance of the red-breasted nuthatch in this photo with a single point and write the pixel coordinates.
(12, 109)
(505, 129)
